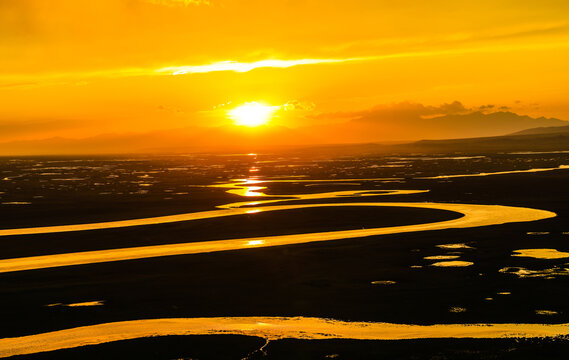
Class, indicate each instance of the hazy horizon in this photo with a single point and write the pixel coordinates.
(372, 126)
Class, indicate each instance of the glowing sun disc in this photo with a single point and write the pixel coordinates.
(252, 114)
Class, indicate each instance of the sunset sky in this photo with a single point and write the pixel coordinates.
(82, 68)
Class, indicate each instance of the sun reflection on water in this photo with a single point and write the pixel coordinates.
(255, 242)
(254, 211)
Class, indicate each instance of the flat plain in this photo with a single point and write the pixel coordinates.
(446, 276)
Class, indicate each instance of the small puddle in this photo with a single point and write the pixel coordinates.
(455, 246)
(521, 272)
(441, 257)
(384, 282)
(541, 254)
(81, 304)
(455, 263)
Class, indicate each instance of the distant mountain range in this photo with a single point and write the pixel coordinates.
(550, 138)
(451, 133)
(553, 138)
(394, 126)
(510, 143)
(184, 140)
(544, 130)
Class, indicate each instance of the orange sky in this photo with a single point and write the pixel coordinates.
(81, 68)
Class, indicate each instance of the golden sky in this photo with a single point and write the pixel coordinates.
(82, 68)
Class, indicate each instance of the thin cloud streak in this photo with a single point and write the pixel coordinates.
(243, 67)
(459, 39)
(246, 67)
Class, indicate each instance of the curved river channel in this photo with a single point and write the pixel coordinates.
(267, 327)
(473, 216)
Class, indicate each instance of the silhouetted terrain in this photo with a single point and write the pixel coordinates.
(544, 130)
(540, 142)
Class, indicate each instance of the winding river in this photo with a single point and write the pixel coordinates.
(270, 328)
(473, 216)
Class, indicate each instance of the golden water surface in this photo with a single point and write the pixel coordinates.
(473, 216)
(270, 328)
(267, 327)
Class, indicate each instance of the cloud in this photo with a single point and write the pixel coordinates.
(11, 80)
(410, 111)
(414, 121)
(491, 108)
(515, 37)
(242, 67)
(295, 105)
(101, 35)
(222, 106)
(455, 107)
(292, 105)
(487, 107)
(245, 66)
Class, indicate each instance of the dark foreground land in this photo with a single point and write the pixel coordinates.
(239, 347)
(325, 279)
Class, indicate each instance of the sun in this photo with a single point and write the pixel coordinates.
(252, 114)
